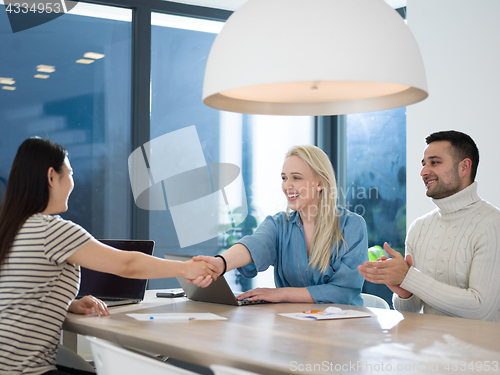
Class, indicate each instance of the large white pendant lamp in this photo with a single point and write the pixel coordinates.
(314, 57)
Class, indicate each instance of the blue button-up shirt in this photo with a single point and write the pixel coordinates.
(280, 242)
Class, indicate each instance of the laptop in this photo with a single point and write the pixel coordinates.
(217, 292)
(115, 290)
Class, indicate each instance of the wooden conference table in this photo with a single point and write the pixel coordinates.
(257, 339)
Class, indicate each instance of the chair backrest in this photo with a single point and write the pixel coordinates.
(68, 358)
(369, 300)
(111, 359)
(225, 370)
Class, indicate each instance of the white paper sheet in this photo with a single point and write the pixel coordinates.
(175, 317)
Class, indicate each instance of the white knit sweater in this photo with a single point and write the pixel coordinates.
(456, 259)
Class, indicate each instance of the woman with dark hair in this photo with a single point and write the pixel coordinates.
(41, 255)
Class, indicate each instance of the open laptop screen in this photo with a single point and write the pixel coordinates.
(107, 286)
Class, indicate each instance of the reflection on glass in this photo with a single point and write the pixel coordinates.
(85, 108)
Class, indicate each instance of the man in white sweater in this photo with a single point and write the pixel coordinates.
(453, 252)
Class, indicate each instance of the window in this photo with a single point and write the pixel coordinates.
(376, 174)
(376, 178)
(255, 144)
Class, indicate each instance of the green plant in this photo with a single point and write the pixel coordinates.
(375, 253)
(246, 227)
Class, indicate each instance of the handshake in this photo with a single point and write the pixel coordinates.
(202, 269)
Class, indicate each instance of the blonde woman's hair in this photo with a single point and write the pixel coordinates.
(326, 232)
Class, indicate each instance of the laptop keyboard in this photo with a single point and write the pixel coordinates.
(247, 302)
(115, 299)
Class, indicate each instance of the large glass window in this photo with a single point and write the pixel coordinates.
(52, 87)
(179, 49)
(256, 145)
(376, 178)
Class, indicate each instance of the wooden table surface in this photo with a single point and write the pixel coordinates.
(257, 339)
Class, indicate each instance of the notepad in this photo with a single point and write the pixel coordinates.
(329, 314)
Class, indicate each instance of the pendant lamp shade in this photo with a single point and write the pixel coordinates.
(314, 57)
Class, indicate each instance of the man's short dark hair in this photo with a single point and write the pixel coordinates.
(463, 147)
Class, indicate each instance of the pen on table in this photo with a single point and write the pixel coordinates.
(313, 312)
(170, 318)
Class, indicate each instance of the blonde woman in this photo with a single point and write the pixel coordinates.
(315, 247)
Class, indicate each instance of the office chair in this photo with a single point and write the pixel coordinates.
(111, 359)
(369, 300)
(68, 358)
(225, 370)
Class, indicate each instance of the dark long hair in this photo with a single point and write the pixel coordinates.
(28, 187)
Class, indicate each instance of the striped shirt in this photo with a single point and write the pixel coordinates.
(37, 286)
